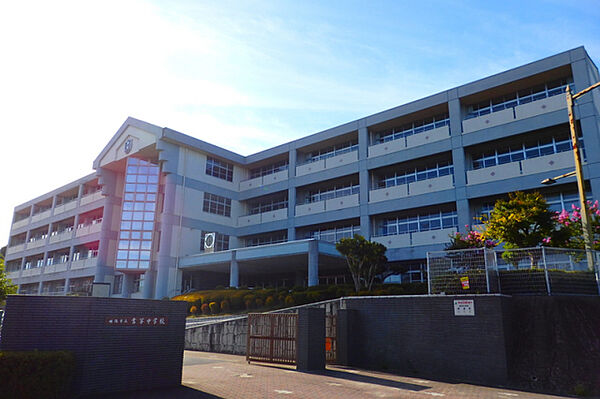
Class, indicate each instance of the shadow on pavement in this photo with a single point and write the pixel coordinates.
(345, 375)
(180, 392)
(353, 376)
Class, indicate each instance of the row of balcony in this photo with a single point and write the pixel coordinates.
(80, 231)
(55, 268)
(504, 116)
(541, 164)
(58, 209)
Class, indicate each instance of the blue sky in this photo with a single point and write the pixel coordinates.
(243, 75)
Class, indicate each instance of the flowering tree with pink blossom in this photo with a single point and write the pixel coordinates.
(571, 230)
(472, 239)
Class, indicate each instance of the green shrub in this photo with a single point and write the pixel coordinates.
(214, 307)
(259, 302)
(225, 306)
(205, 309)
(36, 375)
(270, 301)
(289, 301)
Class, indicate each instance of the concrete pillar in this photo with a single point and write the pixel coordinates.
(313, 263)
(104, 272)
(291, 230)
(464, 214)
(310, 343)
(40, 288)
(67, 282)
(363, 141)
(166, 263)
(127, 285)
(148, 289)
(455, 113)
(234, 272)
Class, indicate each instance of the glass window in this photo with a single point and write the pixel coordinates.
(220, 169)
(216, 204)
(138, 212)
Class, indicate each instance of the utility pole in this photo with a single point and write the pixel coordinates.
(585, 213)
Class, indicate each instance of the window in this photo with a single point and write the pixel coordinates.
(332, 151)
(221, 241)
(521, 97)
(273, 238)
(269, 169)
(401, 132)
(267, 206)
(334, 192)
(216, 204)
(420, 222)
(138, 214)
(334, 234)
(519, 152)
(417, 174)
(219, 169)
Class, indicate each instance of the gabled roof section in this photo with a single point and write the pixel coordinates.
(141, 133)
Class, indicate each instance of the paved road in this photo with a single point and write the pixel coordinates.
(214, 376)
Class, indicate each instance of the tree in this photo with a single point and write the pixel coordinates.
(571, 229)
(522, 221)
(6, 286)
(473, 239)
(364, 259)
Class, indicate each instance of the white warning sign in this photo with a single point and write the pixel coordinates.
(464, 307)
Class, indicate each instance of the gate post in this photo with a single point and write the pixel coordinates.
(310, 341)
(346, 348)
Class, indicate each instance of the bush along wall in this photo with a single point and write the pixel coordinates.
(234, 300)
(36, 375)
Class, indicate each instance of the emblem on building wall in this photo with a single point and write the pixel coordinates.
(128, 146)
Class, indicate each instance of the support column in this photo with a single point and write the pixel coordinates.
(166, 263)
(105, 272)
(148, 289)
(234, 271)
(464, 214)
(291, 231)
(127, 285)
(66, 288)
(364, 180)
(313, 263)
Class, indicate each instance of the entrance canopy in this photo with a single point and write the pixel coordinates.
(294, 256)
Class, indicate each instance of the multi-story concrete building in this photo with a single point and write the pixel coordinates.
(406, 177)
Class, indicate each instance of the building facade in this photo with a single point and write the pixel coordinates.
(165, 212)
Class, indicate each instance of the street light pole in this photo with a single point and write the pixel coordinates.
(585, 214)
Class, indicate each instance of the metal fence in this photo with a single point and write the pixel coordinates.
(527, 271)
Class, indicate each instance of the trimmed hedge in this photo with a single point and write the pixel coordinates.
(36, 375)
(243, 299)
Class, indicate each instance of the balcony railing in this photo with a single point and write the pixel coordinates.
(264, 180)
(265, 217)
(413, 188)
(520, 108)
(525, 167)
(85, 229)
(429, 237)
(330, 160)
